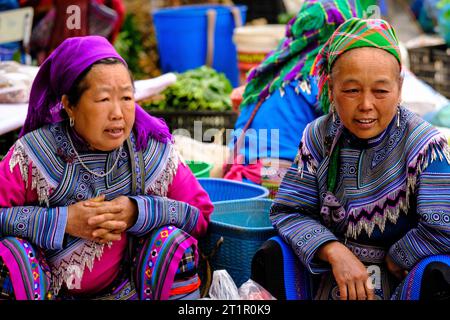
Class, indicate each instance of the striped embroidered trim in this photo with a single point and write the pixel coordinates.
(38, 182)
(190, 285)
(161, 185)
(71, 271)
(437, 148)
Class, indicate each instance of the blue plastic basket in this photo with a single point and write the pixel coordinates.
(244, 226)
(226, 190)
(181, 35)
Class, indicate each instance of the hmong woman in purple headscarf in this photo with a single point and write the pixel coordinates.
(93, 199)
(364, 211)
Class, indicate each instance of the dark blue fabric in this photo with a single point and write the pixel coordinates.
(411, 287)
(289, 114)
(8, 4)
(292, 270)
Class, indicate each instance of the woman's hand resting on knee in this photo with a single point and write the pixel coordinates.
(350, 273)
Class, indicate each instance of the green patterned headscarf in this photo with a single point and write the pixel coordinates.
(293, 58)
(354, 33)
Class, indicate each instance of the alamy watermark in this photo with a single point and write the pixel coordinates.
(254, 143)
(372, 12)
(374, 280)
(73, 21)
(74, 279)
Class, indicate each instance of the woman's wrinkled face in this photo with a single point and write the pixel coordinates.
(104, 115)
(365, 87)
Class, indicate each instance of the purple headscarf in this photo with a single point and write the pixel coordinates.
(57, 75)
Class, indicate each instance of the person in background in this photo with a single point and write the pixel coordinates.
(55, 18)
(280, 96)
(364, 210)
(93, 195)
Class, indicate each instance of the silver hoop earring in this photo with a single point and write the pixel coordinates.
(71, 122)
(398, 116)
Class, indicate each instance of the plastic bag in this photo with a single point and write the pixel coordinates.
(18, 94)
(224, 288)
(251, 290)
(15, 82)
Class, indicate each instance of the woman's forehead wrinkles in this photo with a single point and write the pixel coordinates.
(109, 88)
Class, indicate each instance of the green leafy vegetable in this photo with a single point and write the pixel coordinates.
(129, 46)
(202, 88)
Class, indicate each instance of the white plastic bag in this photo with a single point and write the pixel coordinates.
(251, 290)
(15, 82)
(223, 287)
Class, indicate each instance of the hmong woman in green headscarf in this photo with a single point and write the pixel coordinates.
(366, 203)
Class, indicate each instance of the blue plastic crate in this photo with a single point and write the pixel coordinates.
(230, 190)
(244, 226)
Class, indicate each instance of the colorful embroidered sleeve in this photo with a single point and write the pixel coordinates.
(187, 206)
(432, 234)
(42, 226)
(155, 212)
(196, 196)
(295, 213)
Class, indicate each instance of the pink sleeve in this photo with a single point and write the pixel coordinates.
(13, 190)
(185, 187)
